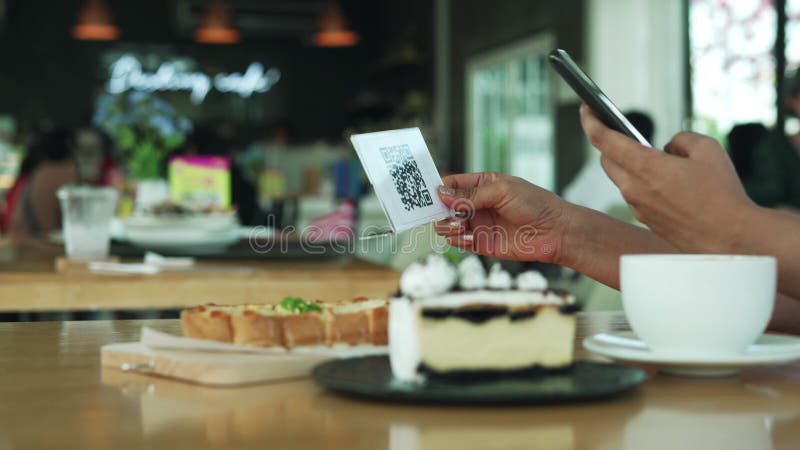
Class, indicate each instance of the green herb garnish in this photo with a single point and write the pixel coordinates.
(298, 306)
(453, 256)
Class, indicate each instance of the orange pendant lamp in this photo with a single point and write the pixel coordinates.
(217, 25)
(333, 30)
(95, 23)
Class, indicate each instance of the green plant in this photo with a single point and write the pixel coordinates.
(144, 128)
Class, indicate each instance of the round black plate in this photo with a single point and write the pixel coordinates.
(371, 377)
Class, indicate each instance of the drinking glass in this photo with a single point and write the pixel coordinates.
(86, 215)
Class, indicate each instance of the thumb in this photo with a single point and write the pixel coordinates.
(694, 146)
(471, 199)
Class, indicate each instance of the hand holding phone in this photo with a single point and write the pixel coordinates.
(593, 96)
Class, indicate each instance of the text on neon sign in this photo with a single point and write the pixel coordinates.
(127, 74)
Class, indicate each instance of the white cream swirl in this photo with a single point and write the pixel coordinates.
(434, 276)
(499, 278)
(471, 273)
(531, 280)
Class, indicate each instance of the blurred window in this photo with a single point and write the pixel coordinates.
(733, 69)
(510, 112)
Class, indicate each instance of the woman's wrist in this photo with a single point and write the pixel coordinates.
(592, 243)
(572, 231)
(582, 248)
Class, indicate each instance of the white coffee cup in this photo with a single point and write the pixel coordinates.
(698, 305)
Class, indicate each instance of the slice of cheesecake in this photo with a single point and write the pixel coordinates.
(481, 333)
(462, 322)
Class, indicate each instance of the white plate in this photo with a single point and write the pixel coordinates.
(209, 222)
(625, 346)
(184, 242)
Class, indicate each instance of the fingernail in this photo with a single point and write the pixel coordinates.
(448, 191)
(461, 214)
(454, 224)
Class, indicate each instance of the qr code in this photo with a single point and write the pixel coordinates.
(408, 181)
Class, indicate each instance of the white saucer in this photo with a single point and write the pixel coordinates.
(625, 346)
(183, 242)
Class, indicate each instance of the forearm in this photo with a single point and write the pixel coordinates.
(786, 315)
(762, 231)
(593, 243)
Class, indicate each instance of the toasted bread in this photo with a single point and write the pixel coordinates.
(353, 322)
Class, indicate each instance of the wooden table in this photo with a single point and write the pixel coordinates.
(30, 283)
(53, 394)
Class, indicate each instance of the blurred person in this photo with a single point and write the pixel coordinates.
(35, 209)
(29, 162)
(8, 129)
(688, 195)
(55, 158)
(268, 163)
(742, 142)
(775, 178)
(94, 163)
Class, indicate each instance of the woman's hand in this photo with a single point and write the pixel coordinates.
(689, 194)
(503, 217)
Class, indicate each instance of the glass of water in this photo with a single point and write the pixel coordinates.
(86, 216)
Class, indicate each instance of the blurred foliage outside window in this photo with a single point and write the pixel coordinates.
(733, 69)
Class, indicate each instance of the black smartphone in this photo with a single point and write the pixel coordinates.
(593, 96)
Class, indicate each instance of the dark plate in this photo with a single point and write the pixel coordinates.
(371, 377)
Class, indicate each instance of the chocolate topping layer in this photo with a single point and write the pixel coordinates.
(472, 313)
(482, 313)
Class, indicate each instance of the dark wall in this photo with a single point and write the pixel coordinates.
(480, 25)
(46, 74)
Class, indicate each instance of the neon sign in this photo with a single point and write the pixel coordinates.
(126, 73)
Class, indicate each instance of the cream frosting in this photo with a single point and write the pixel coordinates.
(471, 274)
(499, 279)
(432, 277)
(531, 280)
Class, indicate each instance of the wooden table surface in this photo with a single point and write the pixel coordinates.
(30, 283)
(53, 394)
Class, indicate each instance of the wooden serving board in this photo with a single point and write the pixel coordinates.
(210, 368)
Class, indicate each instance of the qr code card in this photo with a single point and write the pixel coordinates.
(400, 168)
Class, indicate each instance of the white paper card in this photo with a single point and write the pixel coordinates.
(400, 168)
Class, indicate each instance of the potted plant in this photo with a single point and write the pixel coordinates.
(145, 129)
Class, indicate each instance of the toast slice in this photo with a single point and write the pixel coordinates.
(353, 322)
(207, 322)
(292, 323)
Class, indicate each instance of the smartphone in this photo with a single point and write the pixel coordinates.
(593, 96)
